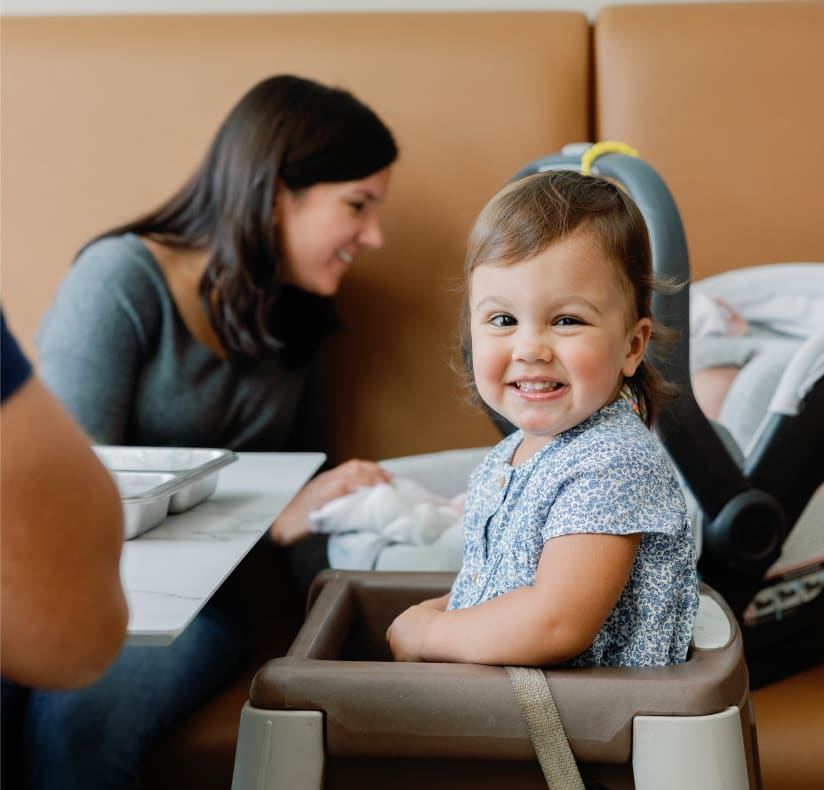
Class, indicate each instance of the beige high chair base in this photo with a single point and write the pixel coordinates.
(337, 712)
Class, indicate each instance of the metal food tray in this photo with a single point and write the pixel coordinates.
(155, 481)
(145, 498)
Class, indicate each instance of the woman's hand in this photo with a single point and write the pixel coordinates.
(407, 634)
(292, 524)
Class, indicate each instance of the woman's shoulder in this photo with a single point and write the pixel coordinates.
(116, 278)
(117, 270)
(118, 257)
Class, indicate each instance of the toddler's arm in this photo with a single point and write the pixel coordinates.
(438, 603)
(578, 581)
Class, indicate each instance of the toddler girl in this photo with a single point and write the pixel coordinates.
(578, 548)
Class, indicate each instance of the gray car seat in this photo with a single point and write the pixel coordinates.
(749, 503)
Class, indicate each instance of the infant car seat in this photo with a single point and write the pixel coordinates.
(749, 508)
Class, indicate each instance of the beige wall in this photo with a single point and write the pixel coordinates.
(724, 101)
(29, 7)
(103, 116)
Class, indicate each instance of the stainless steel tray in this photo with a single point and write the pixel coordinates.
(145, 498)
(154, 481)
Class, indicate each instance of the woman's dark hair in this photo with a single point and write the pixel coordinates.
(288, 130)
(528, 215)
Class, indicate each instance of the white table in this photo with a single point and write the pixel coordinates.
(171, 571)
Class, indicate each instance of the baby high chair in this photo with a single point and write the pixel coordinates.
(336, 712)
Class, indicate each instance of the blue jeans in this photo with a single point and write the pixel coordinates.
(15, 700)
(95, 738)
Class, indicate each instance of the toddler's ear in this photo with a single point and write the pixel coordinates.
(638, 339)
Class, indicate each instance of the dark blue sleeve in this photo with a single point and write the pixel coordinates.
(14, 367)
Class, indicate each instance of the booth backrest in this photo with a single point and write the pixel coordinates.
(104, 116)
(723, 99)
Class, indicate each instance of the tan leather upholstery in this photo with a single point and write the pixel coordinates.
(724, 101)
(790, 719)
(103, 117)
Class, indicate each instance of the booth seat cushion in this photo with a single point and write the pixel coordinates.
(790, 718)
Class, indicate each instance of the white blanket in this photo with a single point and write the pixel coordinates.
(373, 518)
(781, 297)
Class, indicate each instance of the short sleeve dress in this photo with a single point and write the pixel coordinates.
(607, 475)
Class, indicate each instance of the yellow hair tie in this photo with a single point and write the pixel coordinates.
(599, 149)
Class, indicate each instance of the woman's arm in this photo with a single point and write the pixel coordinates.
(578, 581)
(64, 611)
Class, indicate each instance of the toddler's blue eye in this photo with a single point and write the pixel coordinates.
(502, 319)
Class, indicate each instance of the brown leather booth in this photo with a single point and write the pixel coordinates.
(103, 116)
(721, 99)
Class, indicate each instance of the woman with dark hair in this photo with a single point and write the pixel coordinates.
(200, 324)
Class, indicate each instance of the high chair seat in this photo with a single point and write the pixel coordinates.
(336, 711)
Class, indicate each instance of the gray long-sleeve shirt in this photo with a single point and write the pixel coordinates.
(115, 351)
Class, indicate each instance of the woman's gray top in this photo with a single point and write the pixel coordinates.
(114, 349)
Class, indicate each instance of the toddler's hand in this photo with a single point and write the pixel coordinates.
(407, 634)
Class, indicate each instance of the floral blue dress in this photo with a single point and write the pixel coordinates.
(608, 475)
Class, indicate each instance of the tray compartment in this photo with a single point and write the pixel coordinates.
(192, 472)
(145, 497)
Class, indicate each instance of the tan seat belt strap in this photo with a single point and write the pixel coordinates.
(545, 728)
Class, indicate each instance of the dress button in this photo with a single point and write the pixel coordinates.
(475, 577)
(502, 481)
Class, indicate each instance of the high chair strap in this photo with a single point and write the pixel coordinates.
(545, 728)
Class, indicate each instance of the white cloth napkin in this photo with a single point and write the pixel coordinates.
(400, 512)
